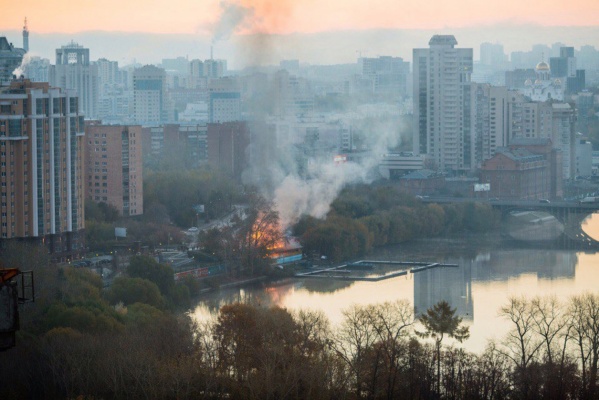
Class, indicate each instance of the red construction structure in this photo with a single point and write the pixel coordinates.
(16, 287)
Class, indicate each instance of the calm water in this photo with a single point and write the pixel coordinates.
(489, 272)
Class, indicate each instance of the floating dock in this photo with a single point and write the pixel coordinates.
(344, 271)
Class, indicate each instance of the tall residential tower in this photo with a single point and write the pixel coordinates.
(442, 104)
(74, 71)
(41, 167)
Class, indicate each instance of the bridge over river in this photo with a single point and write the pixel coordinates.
(570, 214)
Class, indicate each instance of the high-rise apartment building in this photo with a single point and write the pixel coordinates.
(150, 105)
(585, 103)
(196, 78)
(547, 120)
(113, 166)
(41, 167)
(564, 67)
(74, 71)
(492, 54)
(227, 144)
(292, 95)
(184, 145)
(489, 119)
(442, 104)
(108, 73)
(387, 74)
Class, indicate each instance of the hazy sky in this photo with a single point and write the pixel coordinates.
(315, 31)
(287, 16)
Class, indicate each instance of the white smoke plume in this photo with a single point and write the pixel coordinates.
(21, 70)
(295, 195)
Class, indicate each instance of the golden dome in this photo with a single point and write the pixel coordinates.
(542, 66)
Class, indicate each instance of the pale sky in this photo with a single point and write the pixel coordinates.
(286, 16)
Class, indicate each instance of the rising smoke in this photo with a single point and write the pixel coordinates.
(297, 190)
(21, 70)
(233, 16)
(312, 193)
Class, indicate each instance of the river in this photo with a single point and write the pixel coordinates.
(490, 270)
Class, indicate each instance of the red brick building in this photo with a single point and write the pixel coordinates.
(529, 168)
(113, 166)
(227, 146)
(422, 182)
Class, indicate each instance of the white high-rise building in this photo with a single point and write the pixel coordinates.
(442, 104)
(150, 105)
(224, 101)
(74, 71)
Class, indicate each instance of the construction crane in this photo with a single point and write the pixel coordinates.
(16, 287)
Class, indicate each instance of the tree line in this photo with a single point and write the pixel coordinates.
(169, 199)
(366, 216)
(81, 341)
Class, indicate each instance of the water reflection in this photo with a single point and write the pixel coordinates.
(590, 226)
(533, 226)
(454, 285)
(482, 283)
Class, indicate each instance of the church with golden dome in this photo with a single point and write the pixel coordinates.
(544, 88)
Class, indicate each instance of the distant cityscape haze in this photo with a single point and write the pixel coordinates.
(264, 32)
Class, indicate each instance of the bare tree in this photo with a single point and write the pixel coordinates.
(353, 339)
(522, 344)
(392, 323)
(584, 313)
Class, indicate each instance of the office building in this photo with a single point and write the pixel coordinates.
(113, 166)
(10, 59)
(41, 155)
(442, 104)
(224, 101)
(73, 71)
